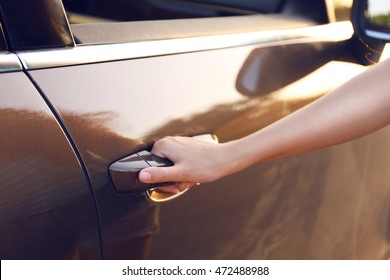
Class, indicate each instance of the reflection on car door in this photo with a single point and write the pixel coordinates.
(46, 209)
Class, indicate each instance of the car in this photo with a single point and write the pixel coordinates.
(88, 86)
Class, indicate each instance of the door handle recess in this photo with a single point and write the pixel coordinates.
(124, 172)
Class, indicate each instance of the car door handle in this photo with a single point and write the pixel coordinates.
(124, 172)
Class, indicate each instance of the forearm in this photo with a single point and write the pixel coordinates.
(359, 107)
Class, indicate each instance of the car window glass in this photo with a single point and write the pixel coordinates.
(130, 10)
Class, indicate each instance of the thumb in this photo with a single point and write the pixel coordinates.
(155, 175)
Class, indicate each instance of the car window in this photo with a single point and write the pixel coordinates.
(84, 11)
(129, 10)
(40, 24)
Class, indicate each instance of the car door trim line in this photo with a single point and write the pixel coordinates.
(9, 62)
(123, 51)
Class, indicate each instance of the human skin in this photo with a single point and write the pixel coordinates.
(357, 108)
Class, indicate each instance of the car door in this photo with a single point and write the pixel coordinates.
(120, 86)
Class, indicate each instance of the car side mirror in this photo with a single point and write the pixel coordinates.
(371, 19)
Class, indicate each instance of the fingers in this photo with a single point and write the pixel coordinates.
(165, 174)
(173, 189)
(160, 174)
(177, 188)
(155, 175)
(194, 161)
(184, 186)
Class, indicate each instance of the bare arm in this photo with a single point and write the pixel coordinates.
(357, 108)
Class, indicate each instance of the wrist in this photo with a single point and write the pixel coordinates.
(236, 157)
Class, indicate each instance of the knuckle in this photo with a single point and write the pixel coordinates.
(162, 143)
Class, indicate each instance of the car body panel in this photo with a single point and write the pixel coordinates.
(47, 211)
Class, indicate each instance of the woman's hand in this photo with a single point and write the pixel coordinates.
(195, 162)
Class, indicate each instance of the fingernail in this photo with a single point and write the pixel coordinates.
(145, 176)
